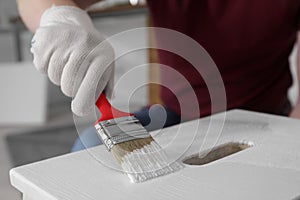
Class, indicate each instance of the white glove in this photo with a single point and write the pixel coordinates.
(73, 53)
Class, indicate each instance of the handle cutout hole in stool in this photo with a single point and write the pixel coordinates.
(217, 153)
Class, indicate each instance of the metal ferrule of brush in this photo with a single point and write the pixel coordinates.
(120, 130)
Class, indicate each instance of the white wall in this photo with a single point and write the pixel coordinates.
(6, 48)
(8, 8)
(23, 94)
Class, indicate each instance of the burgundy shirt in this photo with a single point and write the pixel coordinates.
(249, 40)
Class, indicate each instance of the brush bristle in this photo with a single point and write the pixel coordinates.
(143, 159)
(121, 149)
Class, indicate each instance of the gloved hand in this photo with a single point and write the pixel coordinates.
(75, 56)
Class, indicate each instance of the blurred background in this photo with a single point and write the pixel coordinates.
(35, 117)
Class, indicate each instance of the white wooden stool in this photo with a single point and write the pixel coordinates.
(270, 169)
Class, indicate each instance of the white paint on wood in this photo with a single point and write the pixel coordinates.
(269, 170)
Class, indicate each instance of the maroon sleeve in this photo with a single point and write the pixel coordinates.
(298, 17)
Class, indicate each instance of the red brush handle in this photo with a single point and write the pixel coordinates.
(107, 111)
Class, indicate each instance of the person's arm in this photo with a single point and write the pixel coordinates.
(32, 10)
(296, 110)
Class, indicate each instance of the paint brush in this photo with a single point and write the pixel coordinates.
(139, 155)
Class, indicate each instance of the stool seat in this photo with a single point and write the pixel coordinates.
(268, 169)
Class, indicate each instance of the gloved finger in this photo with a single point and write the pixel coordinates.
(109, 89)
(41, 54)
(107, 81)
(92, 85)
(56, 66)
(105, 85)
(73, 73)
